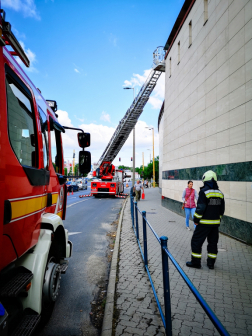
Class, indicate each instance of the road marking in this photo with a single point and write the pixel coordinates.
(73, 233)
(76, 203)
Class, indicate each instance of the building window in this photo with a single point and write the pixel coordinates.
(170, 66)
(205, 11)
(179, 52)
(190, 34)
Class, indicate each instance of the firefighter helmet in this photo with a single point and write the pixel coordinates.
(209, 175)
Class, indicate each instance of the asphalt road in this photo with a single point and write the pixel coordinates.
(88, 221)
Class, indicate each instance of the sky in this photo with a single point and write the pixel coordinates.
(83, 53)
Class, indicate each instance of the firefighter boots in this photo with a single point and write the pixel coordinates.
(195, 263)
(210, 263)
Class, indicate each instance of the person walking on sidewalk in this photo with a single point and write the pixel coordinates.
(207, 218)
(188, 197)
(137, 188)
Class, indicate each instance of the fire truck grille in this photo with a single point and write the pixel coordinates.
(103, 189)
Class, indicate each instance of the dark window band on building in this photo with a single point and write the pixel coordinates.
(233, 227)
(240, 172)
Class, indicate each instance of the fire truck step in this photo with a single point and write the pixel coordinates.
(63, 268)
(27, 325)
(17, 283)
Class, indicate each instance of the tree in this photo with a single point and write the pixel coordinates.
(124, 167)
(76, 169)
(147, 172)
(70, 172)
(65, 171)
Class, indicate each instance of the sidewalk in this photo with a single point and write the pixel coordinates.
(227, 289)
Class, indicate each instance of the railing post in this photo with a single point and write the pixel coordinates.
(145, 239)
(166, 285)
(132, 211)
(136, 216)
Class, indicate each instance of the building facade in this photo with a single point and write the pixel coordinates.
(207, 118)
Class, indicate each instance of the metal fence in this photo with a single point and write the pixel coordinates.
(166, 316)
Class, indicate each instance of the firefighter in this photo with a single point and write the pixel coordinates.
(207, 218)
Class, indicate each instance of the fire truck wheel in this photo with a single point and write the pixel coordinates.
(51, 283)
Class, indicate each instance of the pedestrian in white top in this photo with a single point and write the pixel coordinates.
(137, 188)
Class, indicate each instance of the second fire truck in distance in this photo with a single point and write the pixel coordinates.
(109, 181)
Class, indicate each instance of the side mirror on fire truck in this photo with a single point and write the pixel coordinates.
(84, 139)
(84, 162)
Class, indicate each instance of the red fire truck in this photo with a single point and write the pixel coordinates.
(109, 181)
(34, 244)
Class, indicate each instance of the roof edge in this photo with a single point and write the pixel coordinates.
(185, 10)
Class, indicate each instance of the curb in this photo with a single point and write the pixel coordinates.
(107, 324)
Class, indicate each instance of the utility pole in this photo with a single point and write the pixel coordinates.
(153, 159)
(74, 162)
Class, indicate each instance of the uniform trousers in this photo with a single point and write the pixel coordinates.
(211, 232)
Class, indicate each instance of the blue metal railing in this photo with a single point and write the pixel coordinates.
(166, 318)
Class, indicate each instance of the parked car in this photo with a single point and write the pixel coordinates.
(82, 186)
(72, 186)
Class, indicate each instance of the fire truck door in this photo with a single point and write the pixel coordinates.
(25, 176)
(57, 184)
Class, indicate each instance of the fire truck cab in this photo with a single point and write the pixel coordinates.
(34, 244)
(110, 182)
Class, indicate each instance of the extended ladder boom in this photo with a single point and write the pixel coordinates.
(128, 122)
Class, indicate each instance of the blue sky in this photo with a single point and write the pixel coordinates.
(82, 53)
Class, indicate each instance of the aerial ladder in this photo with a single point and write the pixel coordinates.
(109, 180)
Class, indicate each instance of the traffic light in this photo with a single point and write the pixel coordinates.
(131, 159)
(119, 159)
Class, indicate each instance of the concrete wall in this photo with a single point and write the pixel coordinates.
(161, 134)
(207, 117)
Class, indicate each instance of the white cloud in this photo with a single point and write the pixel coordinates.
(31, 56)
(64, 119)
(113, 39)
(101, 135)
(105, 117)
(18, 34)
(157, 96)
(27, 7)
(80, 119)
(76, 70)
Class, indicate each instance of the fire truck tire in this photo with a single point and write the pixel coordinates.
(51, 286)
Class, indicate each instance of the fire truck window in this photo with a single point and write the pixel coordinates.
(56, 151)
(44, 130)
(21, 125)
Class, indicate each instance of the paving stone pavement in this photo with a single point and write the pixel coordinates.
(135, 303)
(227, 289)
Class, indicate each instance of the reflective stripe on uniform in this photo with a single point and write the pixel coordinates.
(197, 216)
(210, 255)
(209, 221)
(214, 193)
(196, 255)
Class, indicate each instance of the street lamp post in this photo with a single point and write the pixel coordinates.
(152, 128)
(150, 155)
(133, 182)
